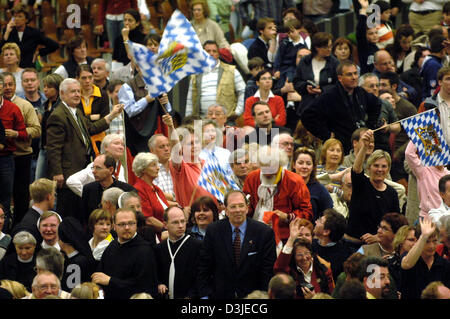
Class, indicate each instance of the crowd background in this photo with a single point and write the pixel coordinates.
(99, 181)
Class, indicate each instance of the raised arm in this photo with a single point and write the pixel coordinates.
(427, 227)
(360, 157)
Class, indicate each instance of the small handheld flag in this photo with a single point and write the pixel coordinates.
(425, 132)
(215, 180)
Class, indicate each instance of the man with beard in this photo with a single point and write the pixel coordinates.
(374, 274)
(128, 263)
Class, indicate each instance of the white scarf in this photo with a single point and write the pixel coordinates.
(266, 193)
(172, 266)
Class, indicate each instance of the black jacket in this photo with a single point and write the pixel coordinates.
(132, 268)
(333, 112)
(71, 66)
(11, 268)
(218, 275)
(29, 224)
(259, 49)
(2, 134)
(413, 78)
(366, 50)
(186, 264)
(31, 39)
(92, 194)
(120, 52)
(304, 72)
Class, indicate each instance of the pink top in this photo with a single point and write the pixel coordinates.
(427, 180)
(185, 181)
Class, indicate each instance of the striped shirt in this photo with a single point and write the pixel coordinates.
(164, 180)
(116, 126)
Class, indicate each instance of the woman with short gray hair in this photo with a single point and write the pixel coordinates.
(19, 265)
(145, 166)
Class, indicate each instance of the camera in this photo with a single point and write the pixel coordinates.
(312, 83)
(304, 285)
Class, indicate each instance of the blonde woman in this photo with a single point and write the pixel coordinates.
(17, 290)
(10, 56)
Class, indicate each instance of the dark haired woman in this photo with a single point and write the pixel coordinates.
(203, 212)
(77, 51)
(304, 163)
(401, 46)
(131, 21)
(298, 260)
(317, 70)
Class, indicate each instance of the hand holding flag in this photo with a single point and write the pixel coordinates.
(180, 54)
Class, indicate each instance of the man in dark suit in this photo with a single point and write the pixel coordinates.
(43, 194)
(69, 145)
(237, 255)
(103, 170)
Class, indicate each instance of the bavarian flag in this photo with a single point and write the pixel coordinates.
(180, 54)
(424, 130)
(214, 179)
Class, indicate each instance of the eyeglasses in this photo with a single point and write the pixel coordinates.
(97, 168)
(129, 224)
(287, 144)
(46, 287)
(305, 255)
(384, 228)
(215, 113)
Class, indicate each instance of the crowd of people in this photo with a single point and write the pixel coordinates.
(99, 181)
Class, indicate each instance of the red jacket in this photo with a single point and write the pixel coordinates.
(12, 118)
(443, 251)
(114, 7)
(276, 105)
(292, 197)
(151, 207)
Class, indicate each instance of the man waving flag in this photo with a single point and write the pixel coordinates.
(180, 54)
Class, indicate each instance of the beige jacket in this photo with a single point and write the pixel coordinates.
(33, 127)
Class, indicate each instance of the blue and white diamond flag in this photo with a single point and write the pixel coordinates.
(424, 130)
(180, 54)
(214, 179)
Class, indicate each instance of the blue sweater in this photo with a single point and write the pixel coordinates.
(320, 198)
(429, 72)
